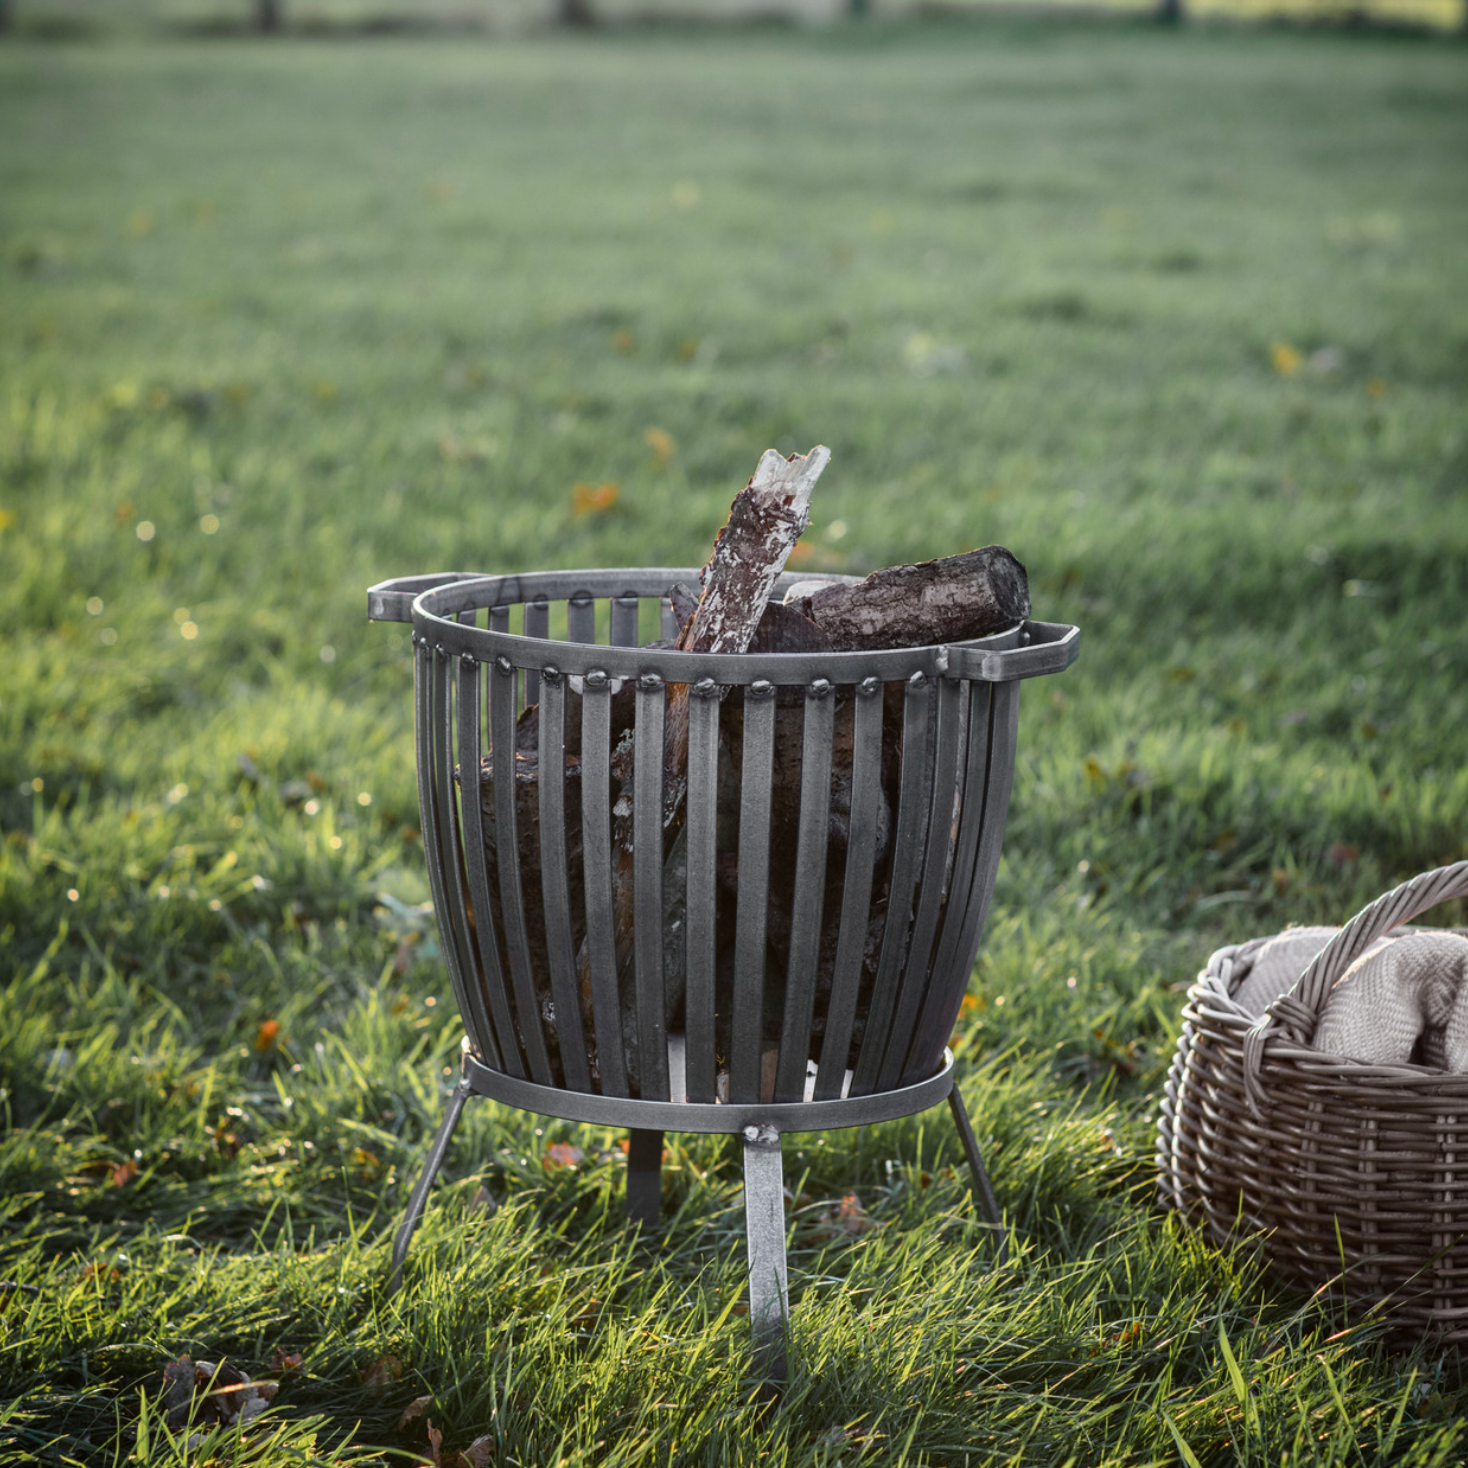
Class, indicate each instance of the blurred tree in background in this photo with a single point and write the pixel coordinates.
(95, 17)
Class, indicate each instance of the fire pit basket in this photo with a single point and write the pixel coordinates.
(788, 954)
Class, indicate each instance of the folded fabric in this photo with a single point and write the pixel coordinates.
(1413, 989)
(1278, 964)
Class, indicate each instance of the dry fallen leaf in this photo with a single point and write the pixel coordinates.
(562, 1154)
(206, 1394)
(267, 1035)
(479, 1453)
(382, 1373)
(847, 1217)
(593, 499)
(282, 1363)
(1285, 358)
(413, 1410)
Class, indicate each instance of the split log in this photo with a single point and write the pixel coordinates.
(954, 599)
(765, 521)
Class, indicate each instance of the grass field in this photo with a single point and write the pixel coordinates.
(1181, 319)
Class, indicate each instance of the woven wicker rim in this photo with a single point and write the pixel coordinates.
(1288, 1025)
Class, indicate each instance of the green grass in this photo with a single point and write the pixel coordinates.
(324, 313)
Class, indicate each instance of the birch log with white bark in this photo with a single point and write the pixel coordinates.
(765, 521)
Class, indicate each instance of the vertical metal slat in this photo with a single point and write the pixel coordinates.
(450, 827)
(647, 889)
(507, 845)
(702, 892)
(810, 881)
(581, 618)
(447, 846)
(554, 882)
(930, 892)
(537, 617)
(498, 620)
(430, 755)
(756, 785)
(624, 619)
(914, 797)
(960, 785)
(856, 889)
(1003, 734)
(596, 842)
(487, 977)
(537, 624)
(948, 964)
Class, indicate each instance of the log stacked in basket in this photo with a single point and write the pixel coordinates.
(955, 599)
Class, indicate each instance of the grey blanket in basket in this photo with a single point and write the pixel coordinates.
(1404, 999)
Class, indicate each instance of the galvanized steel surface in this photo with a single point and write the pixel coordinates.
(878, 889)
(812, 1017)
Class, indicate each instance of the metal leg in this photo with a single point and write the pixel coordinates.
(457, 1097)
(644, 1177)
(764, 1234)
(982, 1188)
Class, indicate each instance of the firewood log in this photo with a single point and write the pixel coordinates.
(954, 599)
(765, 520)
(950, 600)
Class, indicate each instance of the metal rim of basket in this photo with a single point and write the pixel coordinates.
(433, 604)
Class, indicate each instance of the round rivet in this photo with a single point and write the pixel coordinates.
(705, 688)
(550, 674)
(869, 686)
(751, 1134)
(918, 680)
(649, 683)
(596, 679)
(504, 665)
(761, 688)
(467, 659)
(820, 688)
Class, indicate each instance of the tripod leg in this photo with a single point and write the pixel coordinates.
(457, 1097)
(764, 1233)
(644, 1177)
(982, 1188)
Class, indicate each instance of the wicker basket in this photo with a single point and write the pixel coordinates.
(1355, 1176)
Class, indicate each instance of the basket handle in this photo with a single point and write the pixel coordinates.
(392, 601)
(1295, 1013)
(1046, 647)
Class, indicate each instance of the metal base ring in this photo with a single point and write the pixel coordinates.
(703, 1116)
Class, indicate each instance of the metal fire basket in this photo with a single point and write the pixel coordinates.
(793, 950)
